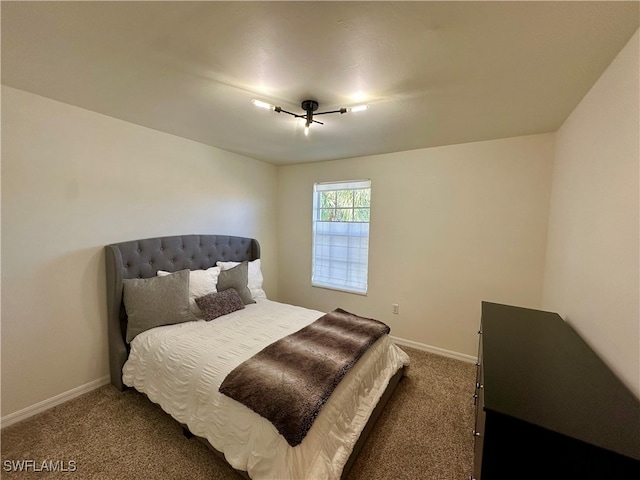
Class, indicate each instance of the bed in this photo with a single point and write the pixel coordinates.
(181, 366)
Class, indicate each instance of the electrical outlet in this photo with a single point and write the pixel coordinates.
(395, 308)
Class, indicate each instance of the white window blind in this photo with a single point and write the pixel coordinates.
(341, 213)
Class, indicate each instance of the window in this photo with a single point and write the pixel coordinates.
(341, 212)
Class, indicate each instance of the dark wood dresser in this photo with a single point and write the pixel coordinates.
(547, 407)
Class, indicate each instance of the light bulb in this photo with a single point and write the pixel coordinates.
(261, 104)
(357, 108)
(306, 130)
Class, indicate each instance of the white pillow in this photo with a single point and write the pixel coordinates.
(201, 283)
(255, 277)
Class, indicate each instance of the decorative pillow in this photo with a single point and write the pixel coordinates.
(152, 302)
(255, 277)
(201, 282)
(217, 304)
(236, 277)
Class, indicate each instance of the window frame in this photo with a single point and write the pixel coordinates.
(356, 260)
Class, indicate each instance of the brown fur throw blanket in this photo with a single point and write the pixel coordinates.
(289, 381)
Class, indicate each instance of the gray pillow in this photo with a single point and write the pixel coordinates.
(214, 305)
(236, 277)
(152, 302)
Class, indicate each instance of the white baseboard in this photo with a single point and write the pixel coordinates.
(52, 402)
(438, 351)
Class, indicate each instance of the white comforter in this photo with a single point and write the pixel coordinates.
(180, 367)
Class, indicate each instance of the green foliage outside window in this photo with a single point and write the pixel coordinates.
(345, 205)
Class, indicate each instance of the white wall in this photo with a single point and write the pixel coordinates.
(74, 181)
(593, 258)
(450, 227)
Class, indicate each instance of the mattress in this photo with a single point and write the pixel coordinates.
(180, 367)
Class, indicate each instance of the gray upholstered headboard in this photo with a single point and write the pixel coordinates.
(143, 259)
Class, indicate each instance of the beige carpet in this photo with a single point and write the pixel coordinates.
(425, 432)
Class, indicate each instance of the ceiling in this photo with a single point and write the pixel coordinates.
(433, 73)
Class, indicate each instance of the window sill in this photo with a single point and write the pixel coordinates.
(339, 289)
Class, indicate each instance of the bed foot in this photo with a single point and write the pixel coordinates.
(186, 432)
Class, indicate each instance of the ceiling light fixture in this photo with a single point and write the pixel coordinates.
(309, 106)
